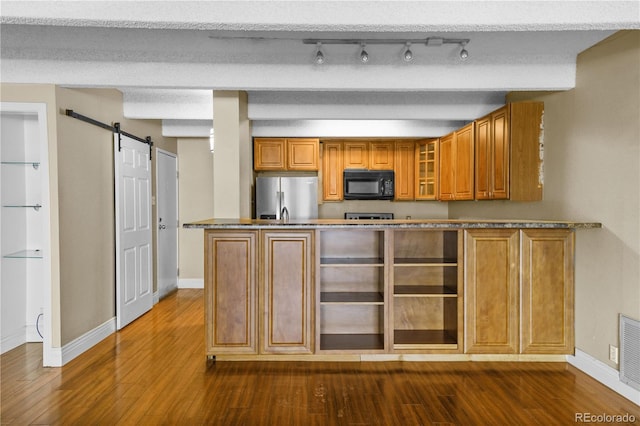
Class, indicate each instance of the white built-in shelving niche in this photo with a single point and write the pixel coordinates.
(23, 223)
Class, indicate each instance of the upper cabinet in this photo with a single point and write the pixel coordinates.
(426, 169)
(456, 165)
(332, 183)
(508, 161)
(280, 154)
(356, 155)
(381, 155)
(404, 170)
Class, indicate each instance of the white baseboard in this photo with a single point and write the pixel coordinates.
(156, 297)
(87, 341)
(604, 374)
(13, 340)
(191, 283)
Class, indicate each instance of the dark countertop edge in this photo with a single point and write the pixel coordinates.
(390, 224)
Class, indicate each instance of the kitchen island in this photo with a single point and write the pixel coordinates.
(389, 289)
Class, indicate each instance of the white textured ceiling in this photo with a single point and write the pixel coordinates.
(167, 56)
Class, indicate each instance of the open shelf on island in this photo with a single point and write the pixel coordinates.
(423, 337)
(424, 291)
(352, 297)
(425, 261)
(351, 261)
(24, 254)
(338, 342)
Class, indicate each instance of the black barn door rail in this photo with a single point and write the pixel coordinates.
(115, 128)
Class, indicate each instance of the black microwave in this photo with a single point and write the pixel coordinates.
(360, 184)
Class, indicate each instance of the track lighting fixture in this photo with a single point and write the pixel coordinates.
(407, 56)
(319, 55)
(364, 56)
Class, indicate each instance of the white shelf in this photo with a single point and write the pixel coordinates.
(24, 254)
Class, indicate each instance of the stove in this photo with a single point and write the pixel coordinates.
(368, 215)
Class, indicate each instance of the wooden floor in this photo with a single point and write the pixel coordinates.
(155, 372)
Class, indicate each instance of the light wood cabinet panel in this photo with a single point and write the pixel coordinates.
(230, 292)
(457, 165)
(463, 153)
(446, 167)
(332, 181)
(491, 280)
(547, 292)
(525, 164)
(356, 155)
(426, 169)
(404, 170)
(381, 155)
(302, 154)
(269, 154)
(492, 156)
(287, 297)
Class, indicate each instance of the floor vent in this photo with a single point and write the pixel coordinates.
(630, 351)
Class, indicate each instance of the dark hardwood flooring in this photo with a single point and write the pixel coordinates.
(154, 372)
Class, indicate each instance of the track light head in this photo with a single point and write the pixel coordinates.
(464, 54)
(364, 56)
(319, 59)
(408, 54)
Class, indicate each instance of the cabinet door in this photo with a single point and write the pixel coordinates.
(404, 170)
(332, 184)
(302, 154)
(463, 163)
(269, 154)
(381, 155)
(426, 169)
(287, 274)
(230, 292)
(447, 166)
(356, 155)
(547, 291)
(499, 159)
(491, 292)
(483, 138)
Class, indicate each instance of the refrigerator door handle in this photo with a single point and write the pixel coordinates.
(279, 198)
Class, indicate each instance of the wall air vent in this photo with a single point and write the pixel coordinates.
(630, 351)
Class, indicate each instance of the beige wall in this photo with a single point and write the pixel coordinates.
(195, 191)
(592, 173)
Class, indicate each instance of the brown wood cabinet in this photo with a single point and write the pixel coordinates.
(381, 155)
(269, 154)
(404, 168)
(547, 324)
(491, 292)
(332, 167)
(303, 154)
(356, 155)
(426, 169)
(287, 293)
(508, 163)
(519, 294)
(280, 154)
(457, 165)
(231, 292)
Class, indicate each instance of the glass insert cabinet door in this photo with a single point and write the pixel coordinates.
(427, 169)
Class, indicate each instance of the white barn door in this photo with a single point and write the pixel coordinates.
(134, 266)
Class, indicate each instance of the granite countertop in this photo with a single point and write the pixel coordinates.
(390, 223)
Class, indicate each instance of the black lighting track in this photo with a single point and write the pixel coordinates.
(114, 129)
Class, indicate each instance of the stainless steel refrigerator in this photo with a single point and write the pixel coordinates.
(298, 195)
